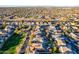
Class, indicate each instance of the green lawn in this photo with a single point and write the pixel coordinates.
(10, 45)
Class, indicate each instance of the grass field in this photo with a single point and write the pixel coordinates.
(10, 45)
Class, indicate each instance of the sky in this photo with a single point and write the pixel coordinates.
(15, 3)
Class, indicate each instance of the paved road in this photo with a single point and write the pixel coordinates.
(23, 48)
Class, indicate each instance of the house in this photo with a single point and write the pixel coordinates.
(5, 34)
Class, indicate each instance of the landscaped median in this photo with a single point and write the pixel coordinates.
(13, 44)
